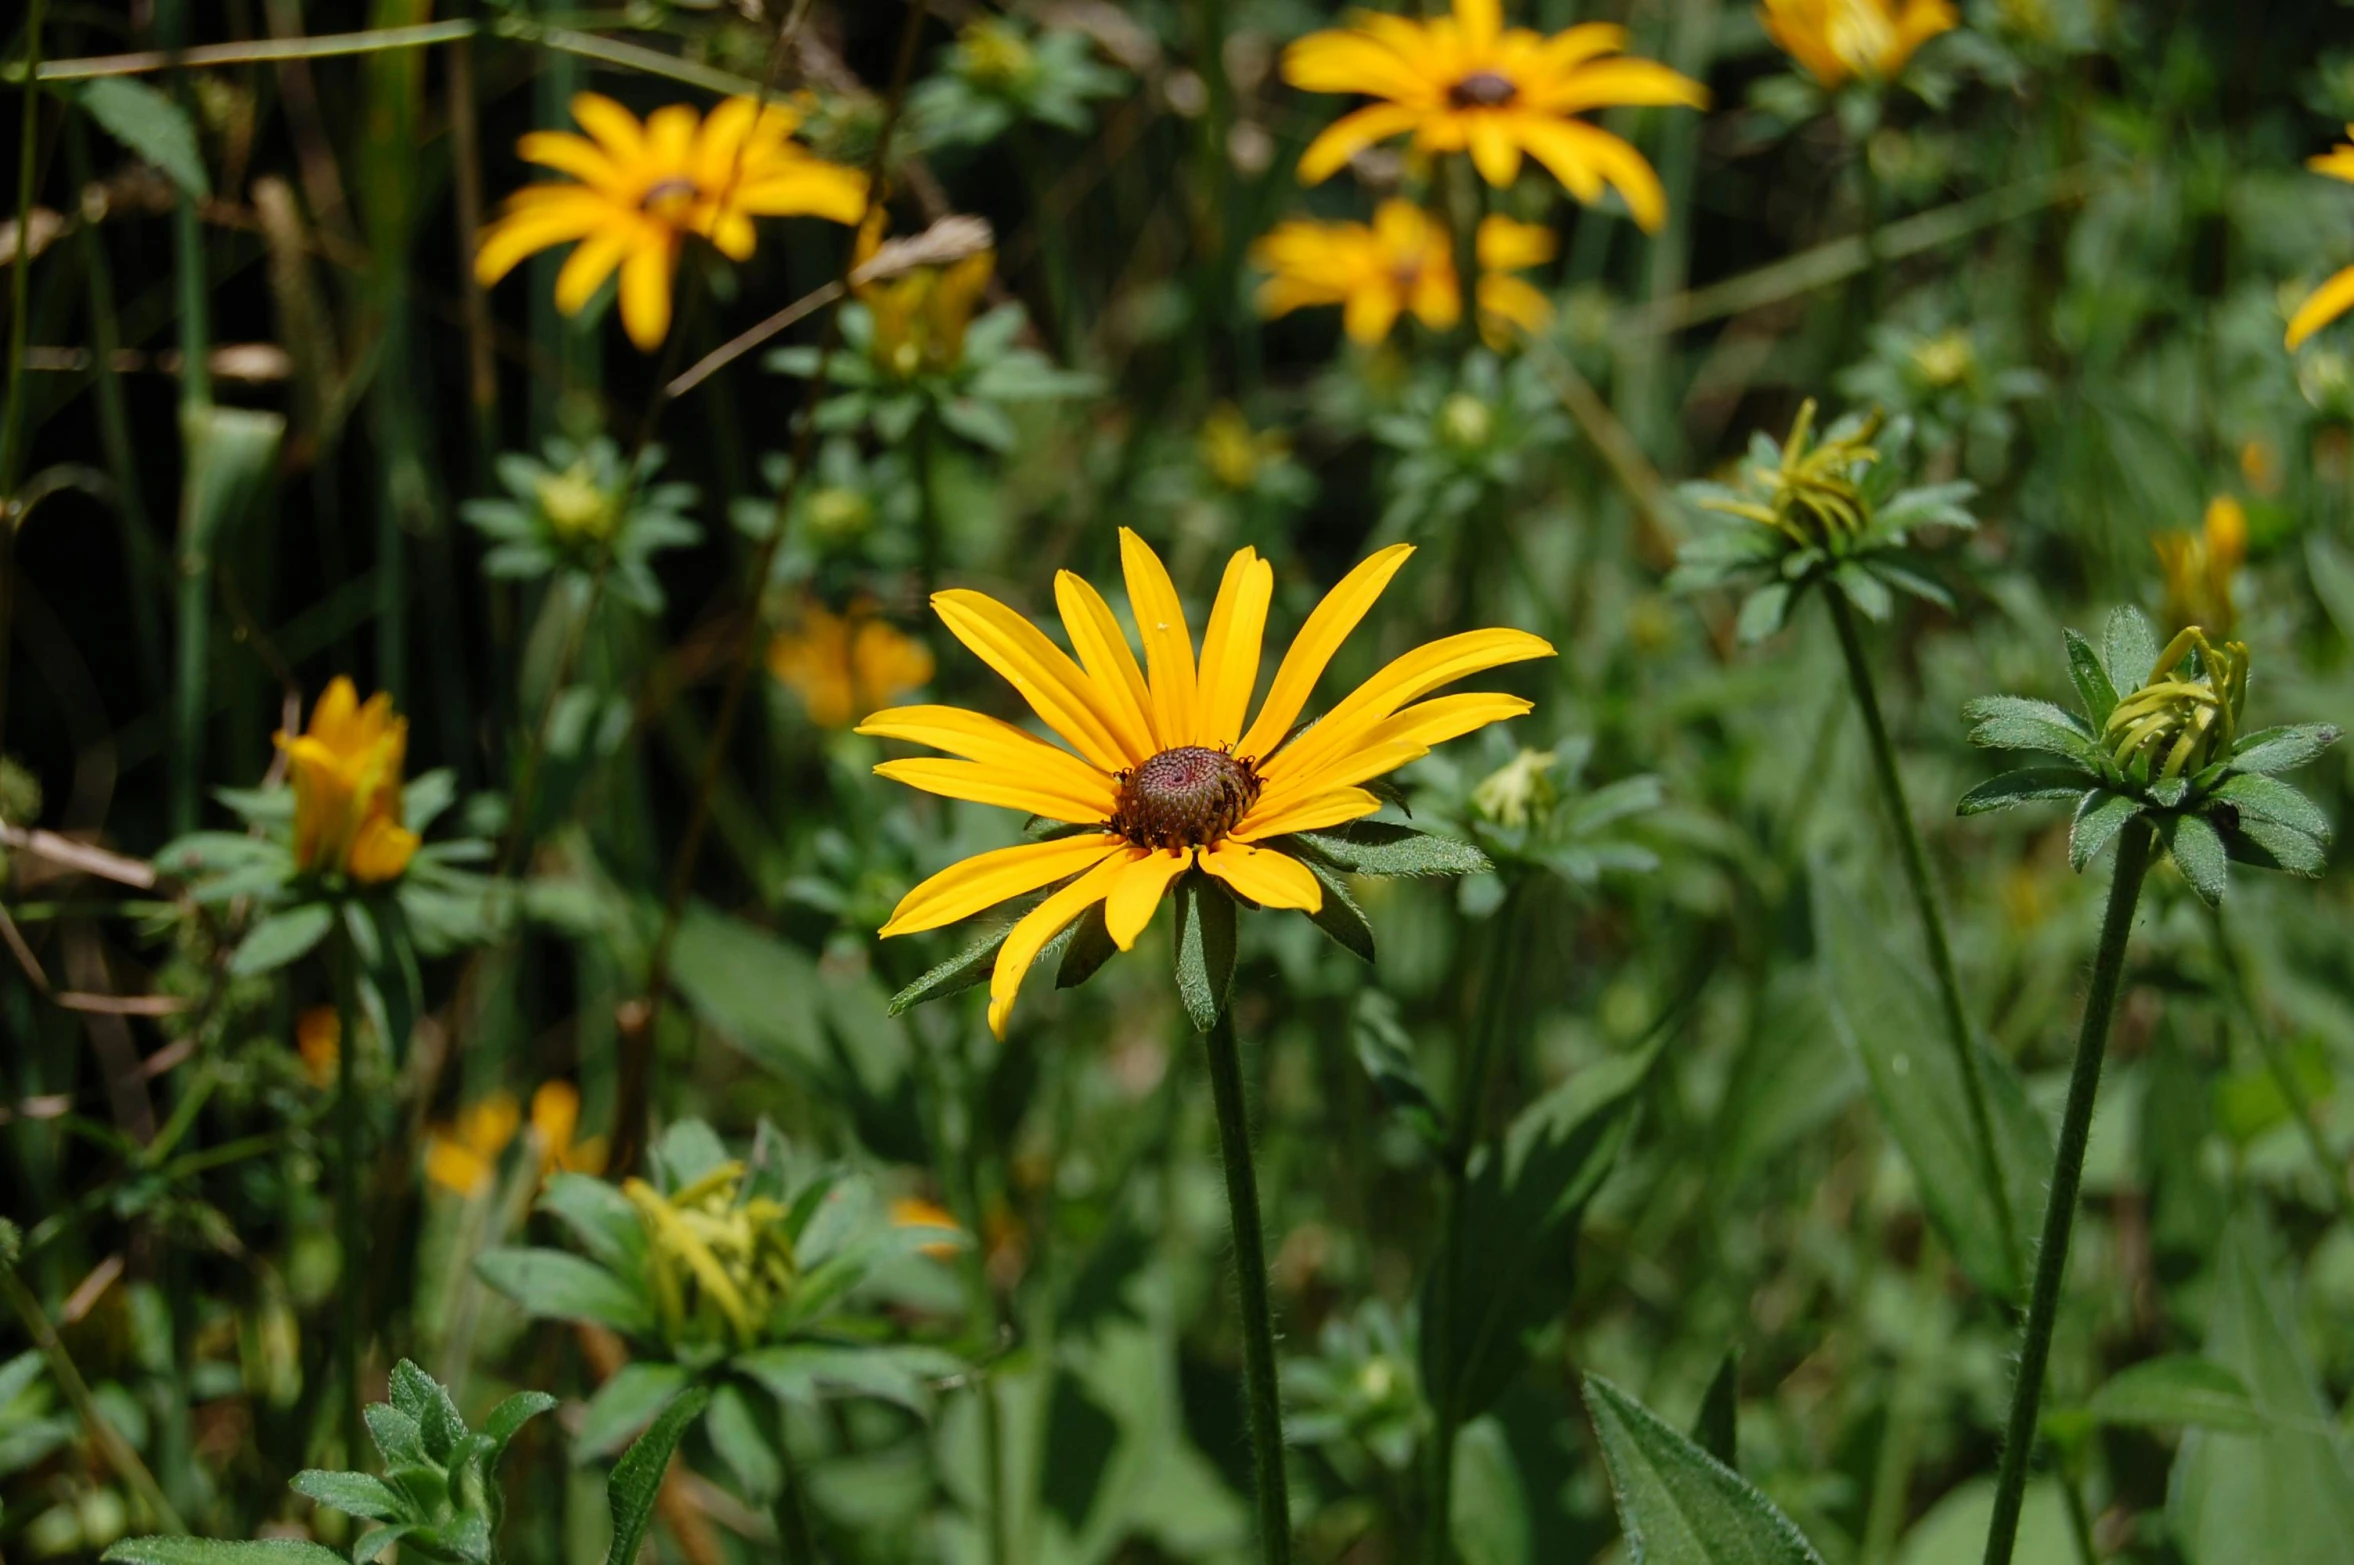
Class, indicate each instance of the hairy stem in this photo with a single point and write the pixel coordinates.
(1916, 873)
(2059, 1213)
(1263, 1401)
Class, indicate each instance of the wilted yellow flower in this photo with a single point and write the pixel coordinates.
(464, 1155)
(846, 665)
(1506, 303)
(921, 314)
(1402, 262)
(2333, 298)
(1165, 769)
(642, 188)
(2199, 567)
(717, 1264)
(318, 1035)
(1467, 83)
(555, 1116)
(1839, 41)
(347, 787)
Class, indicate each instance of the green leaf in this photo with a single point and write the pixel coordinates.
(354, 1494)
(1511, 1262)
(804, 1372)
(1088, 946)
(625, 1404)
(2017, 723)
(424, 1399)
(2268, 845)
(753, 989)
(396, 1435)
(601, 1218)
(217, 1551)
(1387, 1054)
(1882, 1009)
(637, 1477)
(2100, 815)
(735, 1430)
(282, 938)
(2282, 749)
(2180, 1388)
(1340, 916)
(2025, 786)
(2268, 798)
(2198, 853)
(2283, 1496)
(965, 970)
(2128, 647)
(1763, 613)
(1205, 947)
(1490, 1515)
(2094, 687)
(376, 1540)
(563, 1286)
(510, 1416)
(232, 459)
(1386, 848)
(152, 126)
(1716, 1427)
(1679, 1505)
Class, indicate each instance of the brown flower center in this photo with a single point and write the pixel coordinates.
(667, 197)
(1184, 798)
(1482, 90)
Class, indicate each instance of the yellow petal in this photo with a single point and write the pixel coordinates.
(1007, 789)
(1391, 743)
(810, 187)
(1506, 246)
(1369, 314)
(1041, 924)
(1312, 650)
(380, 850)
(1477, 23)
(1057, 689)
(1351, 134)
(1351, 60)
(1494, 152)
(567, 153)
(615, 128)
(1168, 642)
(1611, 83)
(1128, 907)
(645, 293)
(1103, 649)
(976, 737)
(526, 230)
(2324, 305)
(1407, 678)
(585, 270)
(453, 1167)
(1230, 648)
(1582, 157)
(1267, 877)
(986, 879)
(1309, 814)
(1566, 50)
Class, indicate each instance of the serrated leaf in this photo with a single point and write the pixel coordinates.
(1204, 947)
(2282, 749)
(1387, 1054)
(1677, 1504)
(152, 126)
(2268, 798)
(354, 1494)
(219, 1551)
(637, 1477)
(2128, 648)
(2018, 723)
(1339, 916)
(564, 1286)
(282, 938)
(2179, 1388)
(2025, 786)
(2100, 816)
(967, 969)
(2198, 853)
(2094, 687)
(1087, 945)
(1388, 849)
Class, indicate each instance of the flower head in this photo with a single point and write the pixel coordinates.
(638, 190)
(555, 1119)
(587, 509)
(1839, 41)
(2335, 297)
(1401, 262)
(347, 788)
(1163, 778)
(920, 314)
(1509, 304)
(2199, 566)
(846, 665)
(719, 1259)
(1467, 83)
(2160, 735)
(464, 1155)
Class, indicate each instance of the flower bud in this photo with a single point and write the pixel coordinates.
(2175, 723)
(1519, 791)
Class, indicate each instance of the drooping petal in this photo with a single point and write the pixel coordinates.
(1351, 134)
(1369, 313)
(984, 784)
(528, 227)
(1168, 642)
(977, 737)
(2324, 305)
(805, 187)
(986, 879)
(1564, 51)
(1506, 246)
(1129, 906)
(1057, 689)
(1313, 649)
(1582, 158)
(645, 292)
(586, 268)
(1104, 652)
(1230, 648)
(1041, 924)
(1267, 877)
(1407, 678)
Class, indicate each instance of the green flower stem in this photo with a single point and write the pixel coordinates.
(2134, 851)
(349, 1228)
(2276, 1064)
(1916, 872)
(1265, 1404)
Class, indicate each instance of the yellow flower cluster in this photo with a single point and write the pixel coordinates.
(1402, 264)
(347, 788)
(463, 1156)
(2336, 296)
(921, 314)
(2199, 567)
(2174, 725)
(844, 666)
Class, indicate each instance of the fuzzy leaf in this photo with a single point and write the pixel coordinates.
(219, 1551)
(354, 1494)
(2198, 853)
(2269, 799)
(510, 1416)
(2093, 686)
(282, 938)
(625, 1404)
(2025, 786)
(1716, 1428)
(1340, 917)
(1866, 591)
(2129, 647)
(2179, 1388)
(600, 1217)
(967, 969)
(637, 1477)
(1205, 948)
(1678, 1504)
(2282, 749)
(2018, 723)
(2269, 845)
(2100, 816)
(1385, 848)
(563, 1286)
(1763, 612)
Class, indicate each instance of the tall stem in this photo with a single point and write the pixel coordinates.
(349, 1237)
(1264, 1403)
(1916, 873)
(2059, 1213)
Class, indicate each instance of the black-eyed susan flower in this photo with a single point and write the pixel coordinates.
(843, 666)
(2161, 736)
(2335, 297)
(1839, 41)
(555, 1126)
(1402, 262)
(346, 768)
(638, 190)
(2199, 567)
(919, 315)
(1467, 83)
(463, 1156)
(1163, 779)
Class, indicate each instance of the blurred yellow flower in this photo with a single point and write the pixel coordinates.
(1839, 41)
(347, 787)
(1506, 303)
(921, 314)
(915, 1212)
(463, 1156)
(318, 1035)
(555, 1116)
(1467, 83)
(639, 189)
(1162, 764)
(846, 665)
(1235, 453)
(2199, 567)
(1402, 262)
(2333, 298)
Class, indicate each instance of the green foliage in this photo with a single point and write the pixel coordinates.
(588, 512)
(1680, 1505)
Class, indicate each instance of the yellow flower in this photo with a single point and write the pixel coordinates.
(2199, 567)
(1506, 303)
(555, 1115)
(465, 1155)
(920, 315)
(2333, 298)
(347, 787)
(845, 665)
(1402, 262)
(1839, 41)
(1165, 765)
(318, 1035)
(641, 188)
(1235, 453)
(1467, 83)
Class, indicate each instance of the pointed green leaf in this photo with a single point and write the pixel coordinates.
(2198, 853)
(1716, 1427)
(2025, 786)
(2093, 686)
(738, 1434)
(2268, 798)
(1387, 1053)
(217, 1551)
(2283, 749)
(509, 1417)
(282, 938)
(2179, 1388)
(2017, 723)
(2128, 647)
(637, 1477)
(152, 126)
(2100, 816)
(1205, 947)
(354, 1494)
(965, 970)
(600, 1217)
(560, 1285)
(1340, 916)
(1679, 1505)
(2269, 845)
(1763, 613)
(625, 1404)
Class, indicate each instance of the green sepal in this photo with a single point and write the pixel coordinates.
(1204, 947)
(2100, 816)
(1385, 848)
(960, 972)
(1087, 945)
(2198, 853)
(2264, 798)
(2283, 749)
(2026, 786)
(2270, 845)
